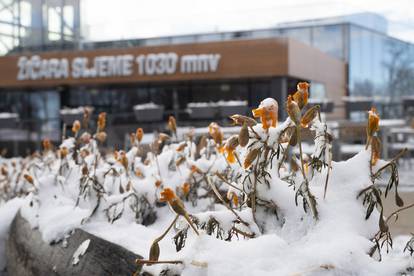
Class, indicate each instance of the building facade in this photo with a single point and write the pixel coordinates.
(340, 57)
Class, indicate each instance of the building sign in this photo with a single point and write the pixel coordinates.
(104, 66)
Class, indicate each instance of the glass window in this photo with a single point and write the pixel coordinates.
(330, 40)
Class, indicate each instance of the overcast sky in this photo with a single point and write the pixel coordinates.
(122, 19)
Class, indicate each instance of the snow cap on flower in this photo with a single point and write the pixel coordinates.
(267, 112)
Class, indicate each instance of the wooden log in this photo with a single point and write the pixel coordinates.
(28, 254)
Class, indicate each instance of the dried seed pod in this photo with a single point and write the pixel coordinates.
(101, 121)
(29, 178)
(375, 150)
(215, 133)
(101, 136)
(293, 110)
(294, 165)
(154, 252)
(4, 171)
(286, 134)
(309, 116)
(47, 145)
(186, 188)
(201, 144)
(241, 120)
(85, 170)
(172, 125)
(129, 186)
(87, 111)
(243, 136)
(181, 146)
(124, 160)
(250, 157)
(76, 126)
(230, 146)
(294, 138)
(63, 152)
(180, 161)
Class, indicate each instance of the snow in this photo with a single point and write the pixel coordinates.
(106, 197)
(147, 106)
(76, 110)
(6, 115)
(7, 212)
(80, 251)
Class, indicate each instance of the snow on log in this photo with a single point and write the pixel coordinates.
(28, 254)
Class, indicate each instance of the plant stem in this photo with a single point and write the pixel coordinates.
(139, 261)
(309, 197)
(168, 229)
(398, 211)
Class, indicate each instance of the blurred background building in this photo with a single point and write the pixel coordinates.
(350, 61)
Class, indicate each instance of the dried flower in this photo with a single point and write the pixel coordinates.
(167, 195)
(181, 146)
(86, 116)
(230, 146)
(301, 96)
(373, 122)
(101, 136)
(63, 152)
(4, 171)
(101, 121)
(241, 120)
(244, 136)
(47, 145)
(215, 133)
(139, 173)
(123, 160)
(293, 110)
(309, 116)
(139, 134)
(267, 112)
(76, 127)
(158, 183)
(28, 178)
(250, 157)
(185, 188)
(172, 125)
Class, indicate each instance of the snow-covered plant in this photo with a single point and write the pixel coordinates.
(254, 196)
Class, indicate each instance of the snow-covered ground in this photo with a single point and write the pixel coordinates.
(254, 213)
